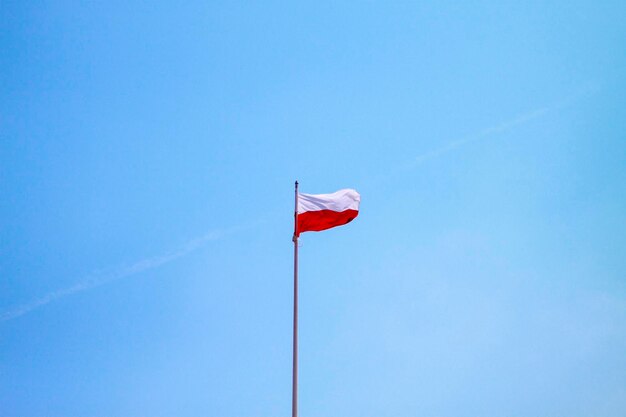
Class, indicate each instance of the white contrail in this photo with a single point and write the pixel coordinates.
(505, 126)
(99, 278)
(502, 127)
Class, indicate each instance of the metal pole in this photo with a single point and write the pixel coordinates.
(294, 386)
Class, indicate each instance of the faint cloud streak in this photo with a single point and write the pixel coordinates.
(505, 126)
(502, 127)
(100, 278)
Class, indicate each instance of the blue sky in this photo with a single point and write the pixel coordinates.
(147, 158)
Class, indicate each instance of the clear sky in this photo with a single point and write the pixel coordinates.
(147, 157)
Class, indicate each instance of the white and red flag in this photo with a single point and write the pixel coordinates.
(313, 213)
(318, 212)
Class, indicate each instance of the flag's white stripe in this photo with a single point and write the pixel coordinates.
(341, 200)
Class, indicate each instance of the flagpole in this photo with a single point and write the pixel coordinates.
(294, 386)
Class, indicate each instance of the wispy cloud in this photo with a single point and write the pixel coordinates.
(100, 278)
(505, 126)
(502, 127)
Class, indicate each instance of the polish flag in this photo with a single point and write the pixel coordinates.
(318, 212)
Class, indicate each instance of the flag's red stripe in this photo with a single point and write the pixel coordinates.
(315, 221)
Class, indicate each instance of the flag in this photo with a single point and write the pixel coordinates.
(318, 212)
